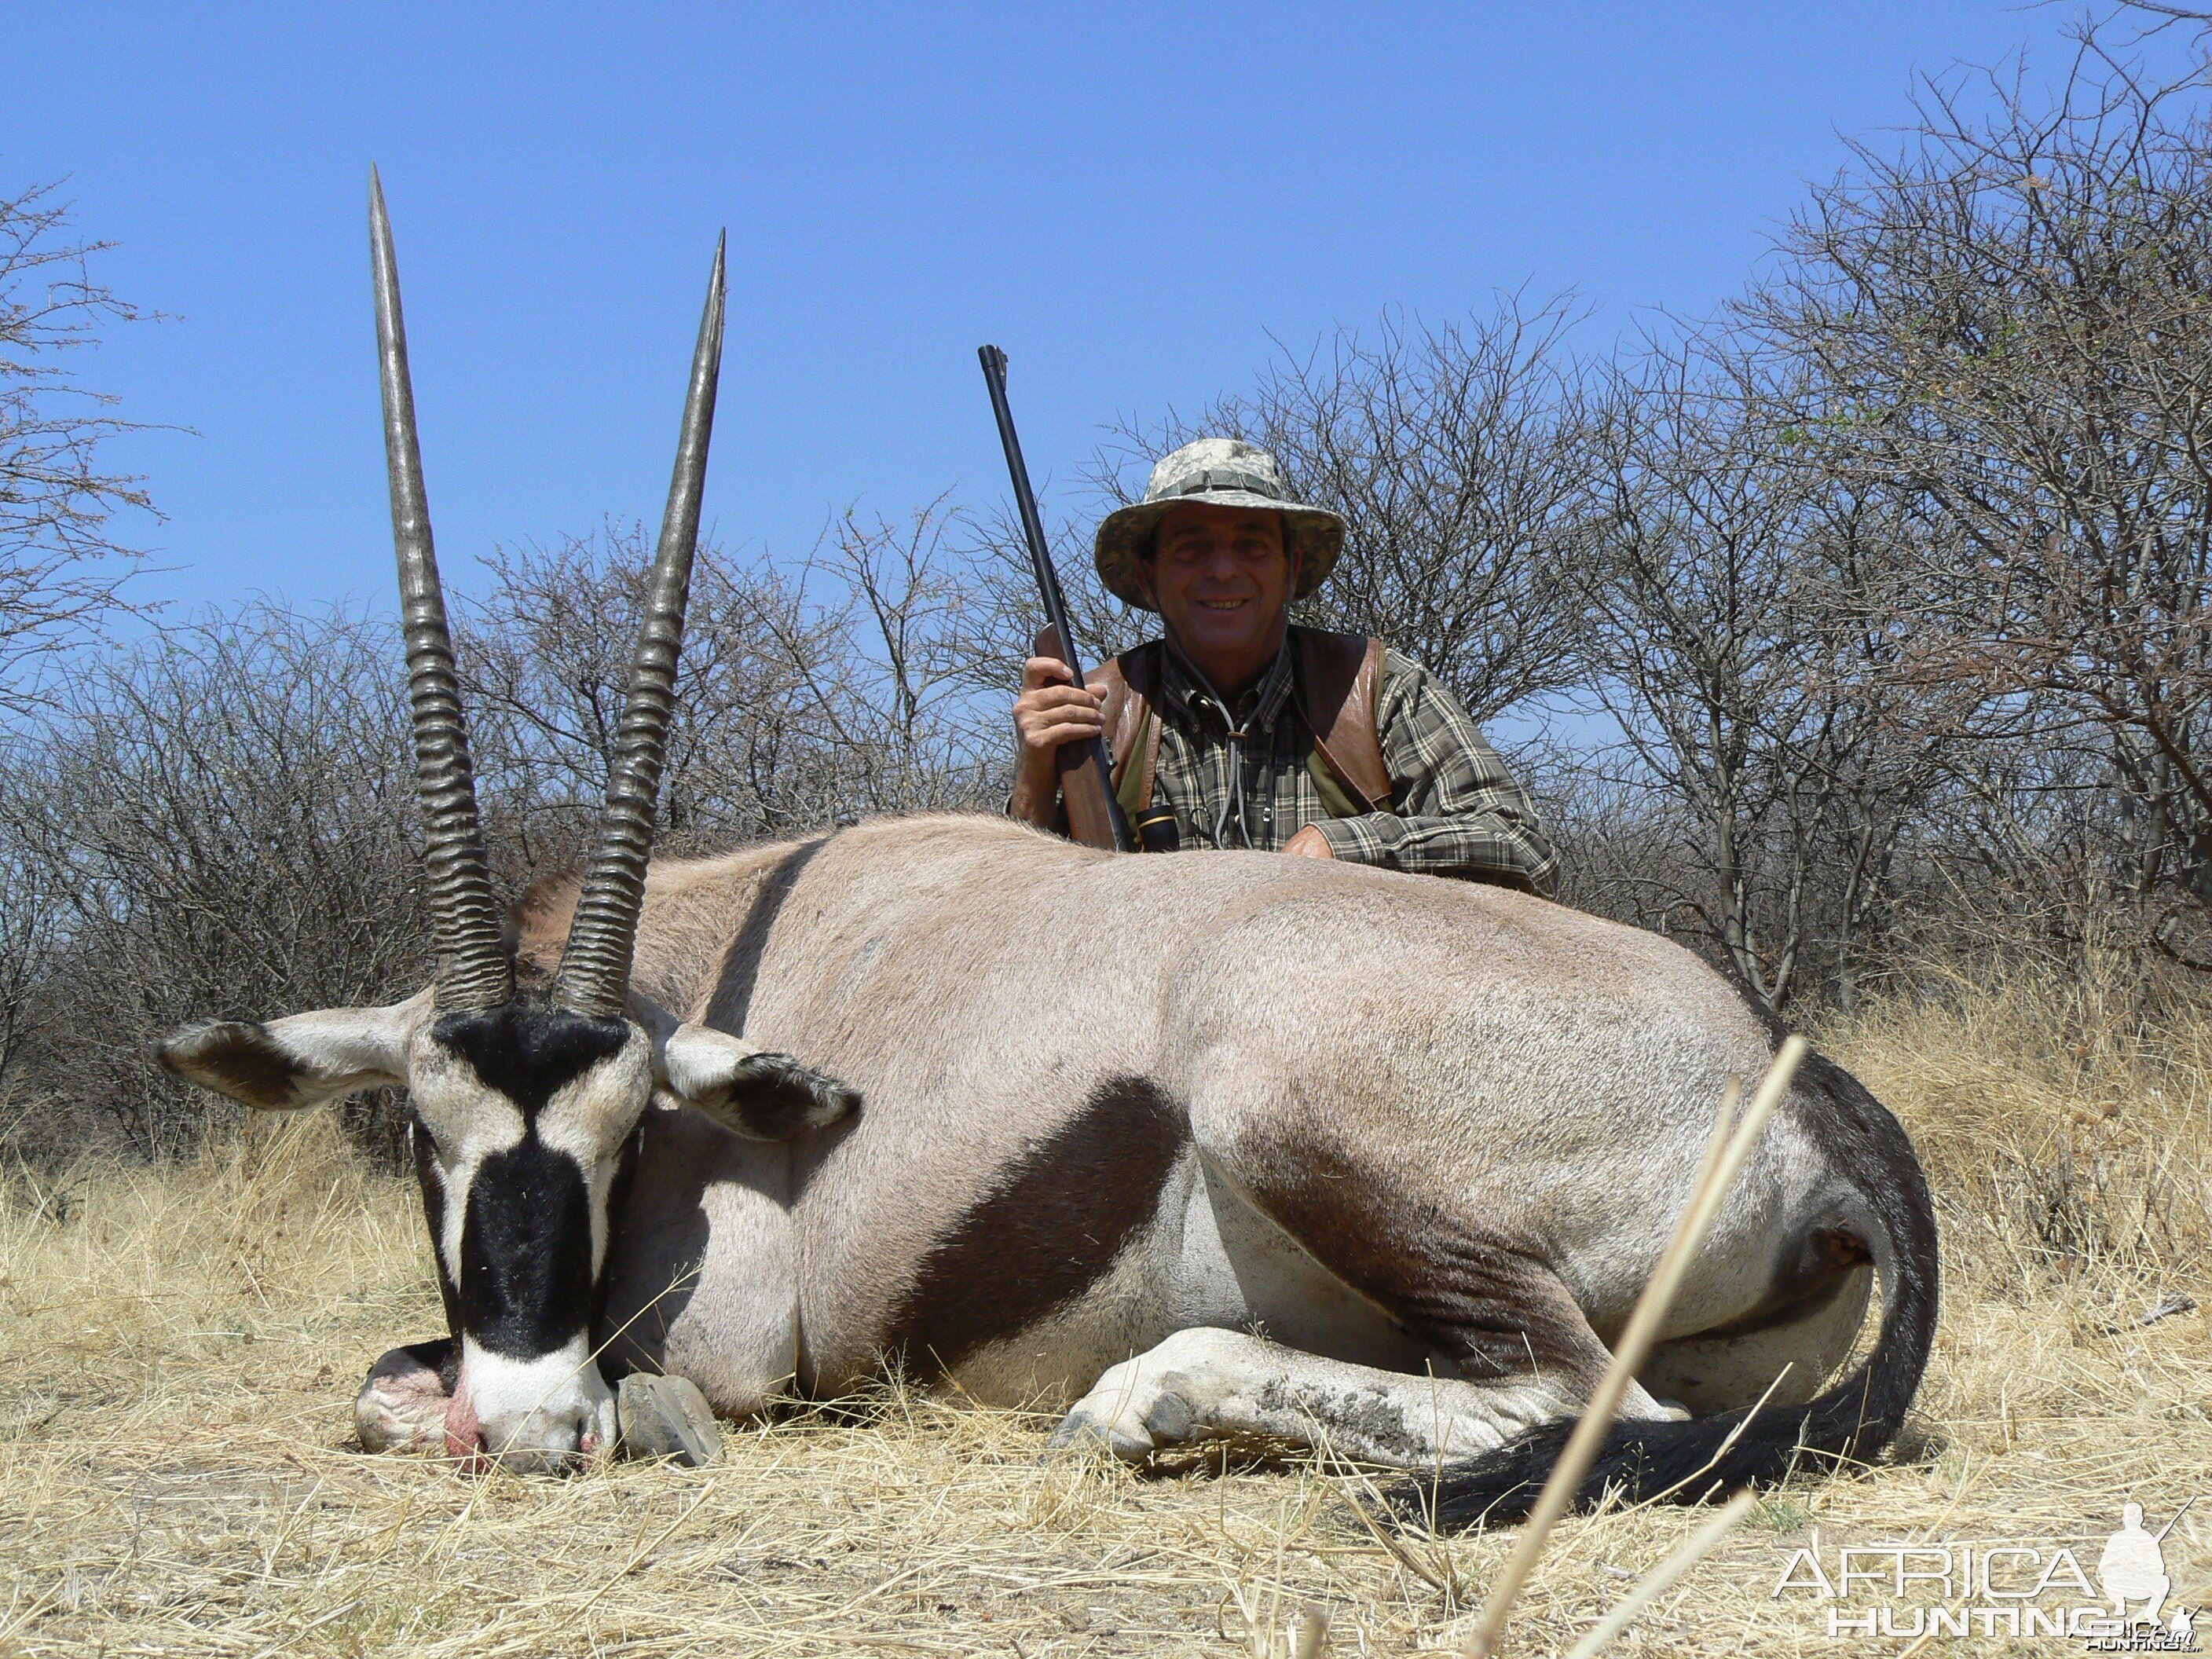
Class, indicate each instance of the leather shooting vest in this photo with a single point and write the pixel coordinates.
(1339, 681)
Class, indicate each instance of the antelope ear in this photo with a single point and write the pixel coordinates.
(754, 1093)
(298, 1061)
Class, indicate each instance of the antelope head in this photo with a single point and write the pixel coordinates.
(524, 1100)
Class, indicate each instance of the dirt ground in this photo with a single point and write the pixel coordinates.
(178, 1351)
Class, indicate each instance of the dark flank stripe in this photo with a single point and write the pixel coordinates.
(1049, 1228)
(1498, 1311)
(1692, 1461)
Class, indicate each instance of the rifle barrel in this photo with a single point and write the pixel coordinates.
(1048, 580)
(1086, 782)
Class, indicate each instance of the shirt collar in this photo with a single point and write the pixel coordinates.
(1183, 689)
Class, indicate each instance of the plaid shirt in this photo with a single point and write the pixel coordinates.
(1242, 783)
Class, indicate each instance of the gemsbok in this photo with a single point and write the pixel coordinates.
(1213, 1144)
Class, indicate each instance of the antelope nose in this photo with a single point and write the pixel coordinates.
(538, 1416)
(464, 1440)
(549, 1440)
(468, 1453)
(540, 1460)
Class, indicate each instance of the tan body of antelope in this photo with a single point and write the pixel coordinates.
(1219, 1143)
(1429, 1138)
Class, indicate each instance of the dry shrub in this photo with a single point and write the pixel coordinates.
(2064, 1115)
(177, 1350)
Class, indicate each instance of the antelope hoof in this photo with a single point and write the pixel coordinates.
(402, 1405)
(1149, 1403)
(662, 1416)
(1079, 1431)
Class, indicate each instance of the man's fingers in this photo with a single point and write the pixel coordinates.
(1056, 697)
(1053, 710)
(1054, 714)
(1061, 728)
(1069, 728)
(1046, 670)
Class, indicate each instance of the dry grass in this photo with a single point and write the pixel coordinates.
(178, 1352)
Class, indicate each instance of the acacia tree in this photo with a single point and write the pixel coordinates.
(59, 569)
(546, 652)
(220, 820)
(2007, 327)
(1458, 456)
(805, 697)
(932, 636)
(1746, 645)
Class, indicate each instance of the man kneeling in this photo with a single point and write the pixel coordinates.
(1239, 730)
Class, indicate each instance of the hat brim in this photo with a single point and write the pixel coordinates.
(1314, 534)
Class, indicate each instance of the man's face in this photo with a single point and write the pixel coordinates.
(1220, 577)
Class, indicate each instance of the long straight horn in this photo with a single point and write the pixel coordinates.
(473, 969)
(595, 966)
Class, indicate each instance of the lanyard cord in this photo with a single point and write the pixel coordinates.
(1233, 801)
(1235, 735)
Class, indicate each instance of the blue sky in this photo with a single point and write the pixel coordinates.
(1130, 199)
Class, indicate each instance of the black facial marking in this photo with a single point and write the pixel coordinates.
(527, 1050)
(527, 1285)
(1048, 1228)
(526, 1252)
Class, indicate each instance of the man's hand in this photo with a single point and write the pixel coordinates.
(1310, 843)
(1052, 710)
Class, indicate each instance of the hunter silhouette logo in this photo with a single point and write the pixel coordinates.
(2015, 1589)
(2133, 1566)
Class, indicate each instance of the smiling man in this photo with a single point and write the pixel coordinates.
(1240, 729)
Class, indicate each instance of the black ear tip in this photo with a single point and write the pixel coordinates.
(834, 1098)
(787, 1095)
(829, 1094)
(178, 1051)
(231, 1057)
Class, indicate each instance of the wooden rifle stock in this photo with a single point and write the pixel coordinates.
(1087, 773)
(1086, 779)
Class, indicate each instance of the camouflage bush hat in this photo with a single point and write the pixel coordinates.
(1219, 472)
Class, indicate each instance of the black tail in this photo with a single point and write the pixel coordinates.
(1686, 1462)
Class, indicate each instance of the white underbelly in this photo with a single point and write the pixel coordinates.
(1207, 1258)
(1242, 1270)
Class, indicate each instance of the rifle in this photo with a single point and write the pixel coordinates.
(2159, 1537)
(1086, 772)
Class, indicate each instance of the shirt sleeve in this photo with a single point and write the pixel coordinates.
(1460, 812)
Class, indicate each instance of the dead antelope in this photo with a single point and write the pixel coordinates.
(525, 1099)
(1217, 1144)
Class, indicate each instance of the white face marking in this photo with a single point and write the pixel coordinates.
(588, 1120)
(532, 1412)
(467, 1123)
(591, 1118)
